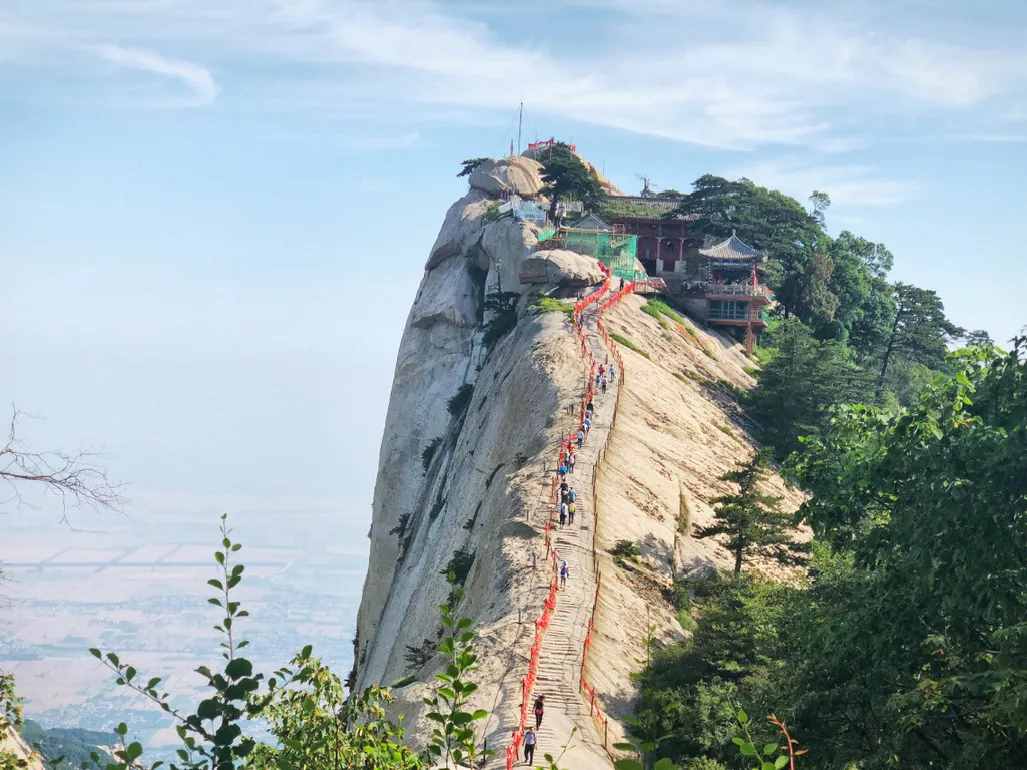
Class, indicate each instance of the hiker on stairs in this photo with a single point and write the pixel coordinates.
(529, 746)
(539, 709)
(565, 572)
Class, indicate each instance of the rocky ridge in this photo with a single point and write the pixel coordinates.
(467, 459)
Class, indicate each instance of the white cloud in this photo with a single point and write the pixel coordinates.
(197, 80)
(745, 75)
(847, 184)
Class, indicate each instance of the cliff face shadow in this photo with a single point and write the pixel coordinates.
(658, 549)
(697, 568)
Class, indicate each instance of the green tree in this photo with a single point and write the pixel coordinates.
(316, 724)
(468, 166)
(800, 385)
(765, 219)
(313, 722)
(865, 305)
(11, 718)
(689, 696)
(751, 519)
(565, 177)
(920, 332)
(819, 202)
(914, 635)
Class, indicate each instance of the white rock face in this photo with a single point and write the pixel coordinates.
(415, 529)
(515, 175)
(562, 267)
(477, 481)
(460, 229)
(505, 245)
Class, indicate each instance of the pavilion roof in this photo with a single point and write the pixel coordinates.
(731, 249)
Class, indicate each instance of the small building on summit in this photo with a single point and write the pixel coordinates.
(661, 235)
(720, 282)
(727, 289)
(644, 238)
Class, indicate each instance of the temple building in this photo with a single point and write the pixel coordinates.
(727, 289)
(719, 282)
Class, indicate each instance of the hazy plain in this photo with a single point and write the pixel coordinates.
(138, 587)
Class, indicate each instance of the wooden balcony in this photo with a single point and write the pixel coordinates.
(759, 294)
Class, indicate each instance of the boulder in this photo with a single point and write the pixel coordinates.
(560, 267)
(505, 244)
(460, 229)
(447, 295)
(518, 175)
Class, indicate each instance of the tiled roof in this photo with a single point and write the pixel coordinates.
(732, 248)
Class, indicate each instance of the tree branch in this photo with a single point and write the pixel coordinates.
(75, 479)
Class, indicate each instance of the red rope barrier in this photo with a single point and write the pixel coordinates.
(596, 712)
(549, 605)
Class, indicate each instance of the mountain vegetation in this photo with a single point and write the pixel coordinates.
(565, 177)
(900, 642)
(905, 644)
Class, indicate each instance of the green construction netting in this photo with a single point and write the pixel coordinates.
(617, 251)
(546, 233)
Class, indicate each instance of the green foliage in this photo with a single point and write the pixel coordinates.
(620, 338)
(467, 166)
(65, 747)
(550, 305)
(452, 741)
(659, 309)
(11, 713)
(316, 724)
(417, 657)
(458, 404)
(770, 221)
(303, 706)
(211, 734)
(920, 612)
(429, 452)
(920, 332)
(626, 549)
(799, 386)
(764, 756)
(498, 327)
(689, 694)
(565, 177)
(459, 565)
(492, 212)
(11, 718)
(503, 305)
(752, 520)
(703, 763)
(652, 311)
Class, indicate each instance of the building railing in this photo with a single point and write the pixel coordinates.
(735, 289)
(731, 314)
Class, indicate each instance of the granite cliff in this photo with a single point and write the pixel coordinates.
(481, 398)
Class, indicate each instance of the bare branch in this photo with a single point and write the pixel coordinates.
(75, 479)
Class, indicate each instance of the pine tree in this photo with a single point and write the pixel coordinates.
(566, 177)
(920, 331)
(752, 520)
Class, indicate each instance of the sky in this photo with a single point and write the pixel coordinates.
(216, 214)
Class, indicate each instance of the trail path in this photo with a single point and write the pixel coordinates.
(560, 660)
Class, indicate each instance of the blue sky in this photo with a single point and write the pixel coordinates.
(217, 213)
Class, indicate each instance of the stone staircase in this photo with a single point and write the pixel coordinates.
(566, 711)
